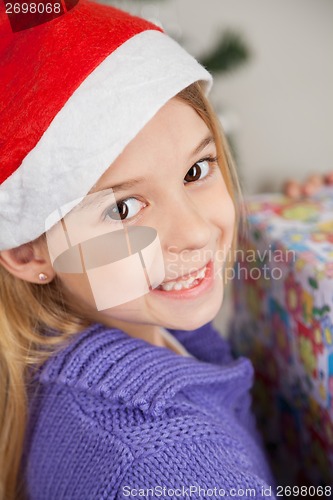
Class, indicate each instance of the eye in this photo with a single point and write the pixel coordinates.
(123, 209)
(199, 170)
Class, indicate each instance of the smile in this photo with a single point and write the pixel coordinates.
(188, 287)
(181, 284)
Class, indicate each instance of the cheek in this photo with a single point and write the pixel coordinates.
(223, 218)
(222, 212)
(80, 292)
(78, 286)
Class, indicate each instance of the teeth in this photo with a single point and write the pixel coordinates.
(167, 286)
(201, 274)
(180, 285)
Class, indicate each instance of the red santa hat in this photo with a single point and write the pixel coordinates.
(74, 92)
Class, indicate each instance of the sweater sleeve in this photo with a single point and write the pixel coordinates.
(194, 469)
(68, 455)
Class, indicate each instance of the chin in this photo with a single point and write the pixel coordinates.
(201, 317)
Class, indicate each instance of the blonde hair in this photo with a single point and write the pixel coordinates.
(27, 310)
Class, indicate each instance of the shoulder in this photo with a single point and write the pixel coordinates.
(91, 447)
(109, 395)
(108, 363)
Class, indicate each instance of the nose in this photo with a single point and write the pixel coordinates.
(186, 226)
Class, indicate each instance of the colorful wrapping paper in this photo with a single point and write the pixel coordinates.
(283, 321)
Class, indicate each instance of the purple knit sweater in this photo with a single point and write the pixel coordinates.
(112, 416)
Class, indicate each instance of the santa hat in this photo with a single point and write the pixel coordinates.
(74, 92)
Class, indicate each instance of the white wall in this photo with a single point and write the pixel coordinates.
(283, 100)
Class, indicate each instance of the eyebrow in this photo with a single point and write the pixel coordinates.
(97, 196)
(126, 185)
(123, 186)
(203, 144)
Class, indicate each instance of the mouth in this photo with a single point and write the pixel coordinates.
(189, 287)
(184, 282)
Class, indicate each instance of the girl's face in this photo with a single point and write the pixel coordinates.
(182, 195)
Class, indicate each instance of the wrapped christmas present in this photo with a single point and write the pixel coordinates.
(283, 300)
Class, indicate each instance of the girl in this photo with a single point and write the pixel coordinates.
(118, 205)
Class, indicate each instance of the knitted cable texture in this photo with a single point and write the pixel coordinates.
(114, 417)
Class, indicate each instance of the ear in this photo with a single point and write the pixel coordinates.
(29, 262)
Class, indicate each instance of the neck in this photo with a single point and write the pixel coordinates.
(149, 333)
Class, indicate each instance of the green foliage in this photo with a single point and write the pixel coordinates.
(230, 52)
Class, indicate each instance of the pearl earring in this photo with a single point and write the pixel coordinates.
(42, 277)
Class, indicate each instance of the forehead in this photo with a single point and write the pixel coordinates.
(171, 135)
